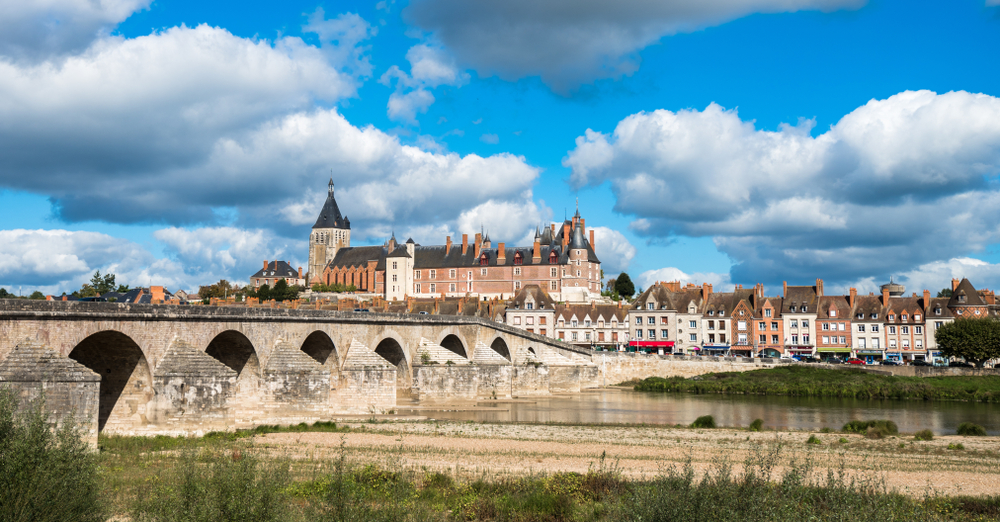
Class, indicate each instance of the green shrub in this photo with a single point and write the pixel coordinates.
(230, 485)
(46, 474)
(958, 446)
(924, 435)
(705, 421)
(969, 429)
(826, 429)
(843, 440)
(883, 428)
(757, 425)
(814, 440)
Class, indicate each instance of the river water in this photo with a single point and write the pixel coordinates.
(619, 406)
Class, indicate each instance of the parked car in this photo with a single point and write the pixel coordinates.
(855, 360)
(890, 362)
(920, 362)
(833, 360)
(960, 364)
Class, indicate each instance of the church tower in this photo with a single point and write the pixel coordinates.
(330, 233)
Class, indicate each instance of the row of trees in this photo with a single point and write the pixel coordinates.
(975, 340)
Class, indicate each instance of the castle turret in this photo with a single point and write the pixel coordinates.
(331, 232)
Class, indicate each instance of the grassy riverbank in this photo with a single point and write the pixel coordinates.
(806, 381)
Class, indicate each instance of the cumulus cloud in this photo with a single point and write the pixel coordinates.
(55, 261)
(37, 29)
(430, 67)
(569, 42)
(895, 184)
(613, 249)
(719, 282)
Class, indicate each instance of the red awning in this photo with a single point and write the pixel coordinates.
(652, 344)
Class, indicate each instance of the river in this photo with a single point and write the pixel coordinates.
(622, 406)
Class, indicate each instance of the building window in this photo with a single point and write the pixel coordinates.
(638, 334)
(722, 313)
(517, 319)
(905, 330)
(916, 317)
(763, 339)
(805, 338)
(722, 325)
(741, 325)
(774, 339)
(693, 337)
(394, 267)
(651, 320)
(892, 317)
(451, 274)
(518, 259)
(552, 272)
(874, 328)
(577, 273)
(529, 320)
(517, 271)
(529, 306)
(795, 339)
(664, 334)
(484, 260)
(553, 259)
(767, 312)
(711, 313)
(711, 325)
(742, 339)
(892, 329)
(826, 339)
(918, 330)
(451, 287)
(416, 274)
(774, 325)
(517, 285)
(418, 288)
(903, 317)
(937, 311)
(833, 313)
(433, 288)
(843, 340)
(826, 326)
(393, 278)
(663, 320)
(649, 306)
(586, 322)
(762, 325)
(482, 271)
(861, 327)
(652, 334)
(573, 323)
(552, 285)
(805, 323)
(574, 334)
(586, 336)
(433, 274)
(692, 324)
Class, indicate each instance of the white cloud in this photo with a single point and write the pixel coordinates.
(39, 28)
(569, 42)
(613, 249)
(937, 275)
(895, 184)
(492, 139)
(992, 2)
(505, 221)
(430, 67)
(719, 282)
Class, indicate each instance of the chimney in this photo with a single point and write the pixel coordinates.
(954, 284)
(706, 290)
(475, 246)
(854, 295)
(536, 254)
(927, 299)
(553, 228)
(300, 272)
(819, 288)
(885, 297)
(265, 264)
(465, 244)
(565, 236)
(501, 254)
(583, 224)
(784, 289)
(592, 241)
(447, 245)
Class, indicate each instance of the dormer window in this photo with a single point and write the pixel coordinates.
(833, 313)
(874, 316)
(518, 259)
(937, 311)
(650, 306)
(803, 308)
(892, 317)
(484, 260)
(916, 317)
(791, 309)
(529, 306)
(903, 317)
(553, 258)
(722, 313)
(711, 312)
(861, 316)
(961, 298)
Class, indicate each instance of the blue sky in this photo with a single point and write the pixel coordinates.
(731, 141)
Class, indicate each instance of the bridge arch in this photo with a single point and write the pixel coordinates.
(499, 345)
(235, 350)
(321, 348)
(454, 344)
(392, 350)
(126, 380)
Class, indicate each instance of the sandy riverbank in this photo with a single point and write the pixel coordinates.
(492, 450)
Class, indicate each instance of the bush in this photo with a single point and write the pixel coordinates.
(224, 486)
(882, 428)
(924, 435)
(843, 440)
(757, 425)
(814, 440)
(958, 446)
(45, 474)
(969, 429)
(705, 421)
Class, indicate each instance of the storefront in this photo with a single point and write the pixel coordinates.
(770, 352)
(660, 347)
(870, 356)
(894, 356)
(800, 352)
(715, 349)
(741, 350)
(841, 353)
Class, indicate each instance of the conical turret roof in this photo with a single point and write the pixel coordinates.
(330, 216)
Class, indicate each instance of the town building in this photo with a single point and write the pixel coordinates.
(561, 260)
(591, 325)
(274, 271)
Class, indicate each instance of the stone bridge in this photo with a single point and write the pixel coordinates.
(128, 368)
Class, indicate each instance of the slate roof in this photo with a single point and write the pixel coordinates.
(277, 269)
(595, 312)
(775, 304)
(359, 256)
(868, 305)
(972, 297)
(942, 304)
(798, 296)
(541, 298)
(898, 305)
(838, 302)
(330, 216)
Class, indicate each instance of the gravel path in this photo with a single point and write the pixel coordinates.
(480, 450)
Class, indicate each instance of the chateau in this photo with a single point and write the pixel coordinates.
(561, 260)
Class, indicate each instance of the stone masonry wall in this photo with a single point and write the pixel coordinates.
(615, 367)
(443, 382)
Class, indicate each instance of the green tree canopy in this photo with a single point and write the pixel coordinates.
(102, 284)
(36, 295)
(975, 340)
(624, 285)
(945, 292)
(283, 292)
(221, 289)
(4, 294)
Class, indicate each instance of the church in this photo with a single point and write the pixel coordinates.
(562, 260)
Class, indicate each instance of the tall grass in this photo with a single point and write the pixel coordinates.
(804, 381)
(46, 473)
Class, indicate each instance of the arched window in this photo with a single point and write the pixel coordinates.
(484, 260)
(518, 259)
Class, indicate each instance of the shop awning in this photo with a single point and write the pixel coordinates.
(834, 350)
(869, 352)
(652, 344)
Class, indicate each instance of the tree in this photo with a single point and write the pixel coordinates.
(945, 292)
(263, 293)
(36, 295)
(624, 286)
(222, 289)
(975, 340)
(102, 284)
(122, 289)
(283, 292)
(4, 294)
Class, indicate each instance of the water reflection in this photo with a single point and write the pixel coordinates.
(615, 406)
